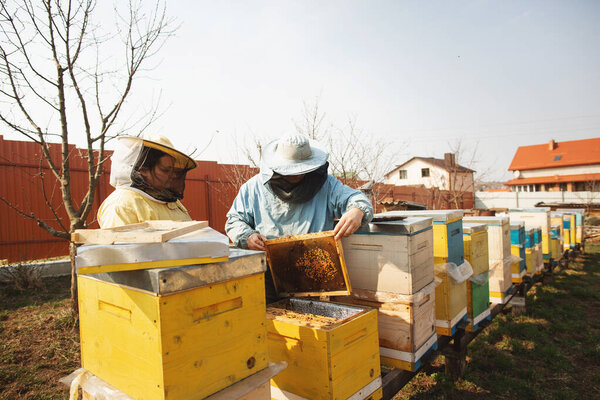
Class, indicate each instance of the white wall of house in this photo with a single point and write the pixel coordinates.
(438, 177)
(530, 199)
(576, 170)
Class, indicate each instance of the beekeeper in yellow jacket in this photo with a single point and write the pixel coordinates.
(149, 176)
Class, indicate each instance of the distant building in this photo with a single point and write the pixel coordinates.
(431, 172)
(572, 166)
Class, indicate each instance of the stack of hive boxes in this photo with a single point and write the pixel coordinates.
(517, 248)
(499, 255)
(475, 238)
(537, 238)
(450, 267)
(172, 333)
(332, 350)
(390, 264)
(556, 218)
(535, 218)
(568, 230)
(579, 214)
(555, 242)
(530, 252)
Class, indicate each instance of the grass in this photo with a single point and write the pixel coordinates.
(551, 352)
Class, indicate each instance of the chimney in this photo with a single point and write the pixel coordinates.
(449, 160)
(552, 145)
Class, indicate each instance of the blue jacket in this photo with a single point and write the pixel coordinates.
(256, 209)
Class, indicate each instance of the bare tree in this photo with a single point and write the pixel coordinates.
(61, 78)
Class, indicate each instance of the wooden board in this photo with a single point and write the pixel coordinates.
(143, 232)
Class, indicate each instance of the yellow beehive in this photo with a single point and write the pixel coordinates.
(476, 246)
(160, 334)
(332, 350)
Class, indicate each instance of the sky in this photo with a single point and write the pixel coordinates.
(420, 75)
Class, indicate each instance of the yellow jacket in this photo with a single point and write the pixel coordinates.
(129, 206)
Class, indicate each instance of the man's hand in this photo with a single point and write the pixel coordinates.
(256, 241)
(349, 223)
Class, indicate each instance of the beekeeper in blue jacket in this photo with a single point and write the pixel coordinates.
(293, 194)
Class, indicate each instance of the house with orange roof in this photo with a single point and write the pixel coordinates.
(572, 166)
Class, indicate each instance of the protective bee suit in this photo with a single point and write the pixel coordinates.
(138, 197)
(269, 205)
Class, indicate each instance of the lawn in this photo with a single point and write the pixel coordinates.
(551, 352)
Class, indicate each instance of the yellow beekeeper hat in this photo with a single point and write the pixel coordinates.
(162, 143)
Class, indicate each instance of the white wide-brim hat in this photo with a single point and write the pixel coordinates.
(294, 155)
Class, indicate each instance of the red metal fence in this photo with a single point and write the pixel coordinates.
(210, 190)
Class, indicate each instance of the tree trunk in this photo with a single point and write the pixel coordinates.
(74, 295)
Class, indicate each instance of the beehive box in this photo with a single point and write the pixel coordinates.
(530, 252)
(447, 233)
(393, 257)
(448, 247)
(535, 218)
(478, 288)
(406, 324)
(556, 242)
(475, 239)
(517, 248)
(332, 350)
(568, 231)
(175, 333)
(499, 254)
(478, 300)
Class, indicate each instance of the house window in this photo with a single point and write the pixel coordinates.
(557, 158)
(402, 174)
(424, 172)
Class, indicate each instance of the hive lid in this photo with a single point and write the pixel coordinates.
(405, 226)
(516, 224)
(473, 227)
(163, 281)
(198, 247)
(487, 220)
(530, 210)
(308, 265)
(436, 215)
(571, 210)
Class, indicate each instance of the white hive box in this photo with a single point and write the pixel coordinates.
(535, 218)
(391, 256)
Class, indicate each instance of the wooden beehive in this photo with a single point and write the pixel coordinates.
(175, 333)
(579, 214)
(499, 248)
(478, 300)
(448, 247)
(311, 264)
(535, 218)
(530, 252)
(517, 248)
(332, 350)
(478, 293)
(406, 324)
(475, 238)
(393, 257)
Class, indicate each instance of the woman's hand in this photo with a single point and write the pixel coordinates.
(256, 241)
(349, 223)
